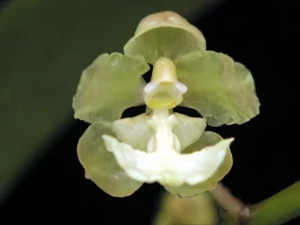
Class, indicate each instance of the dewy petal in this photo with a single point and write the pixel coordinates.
(188, 129)
(164, 34)
(222, 90)
(110, 85)
(208, 138)
(100, 165)
(135, 131)
(169, 168)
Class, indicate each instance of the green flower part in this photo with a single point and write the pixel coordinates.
(100, 165)
(222, 90)
(119, 167)
(164, 34)
(110, 85)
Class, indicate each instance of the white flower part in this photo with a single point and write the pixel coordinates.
(150, 87)
(181, 87)
(163, 162)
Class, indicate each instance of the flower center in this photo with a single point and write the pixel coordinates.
(164, 91)
(164, 140)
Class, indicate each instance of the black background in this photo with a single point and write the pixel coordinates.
(263, 35)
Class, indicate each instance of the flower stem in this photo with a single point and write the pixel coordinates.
(275, 210)
(237, 210)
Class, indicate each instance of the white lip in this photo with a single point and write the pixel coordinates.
(168, 167)
(163, 161)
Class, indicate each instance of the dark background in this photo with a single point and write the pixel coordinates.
(263, 35)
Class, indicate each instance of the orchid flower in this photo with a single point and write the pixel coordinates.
(119, 155)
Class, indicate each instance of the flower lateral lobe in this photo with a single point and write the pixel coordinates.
(163, 162)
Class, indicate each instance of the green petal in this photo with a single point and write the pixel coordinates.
(207, 139)
(100, 165)
(134, 131)
(222, 90)
(188, 129)
(109, 86)
(164, 34)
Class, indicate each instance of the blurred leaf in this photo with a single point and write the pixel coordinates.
(44, 47)
(278, 209)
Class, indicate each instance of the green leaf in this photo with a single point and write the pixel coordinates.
(222, 90)
(220, 169)
(109, 86)
(101, 166)
(164, 34)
